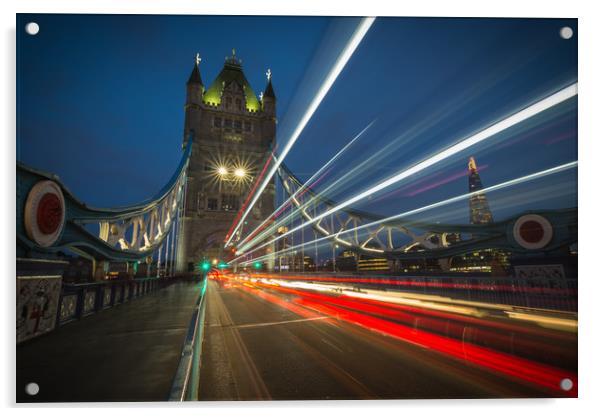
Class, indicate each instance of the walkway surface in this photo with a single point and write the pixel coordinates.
(127, 353)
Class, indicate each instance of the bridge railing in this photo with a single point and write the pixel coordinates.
(403, 237)
(80, 300)
(557, 294)
(185, 386)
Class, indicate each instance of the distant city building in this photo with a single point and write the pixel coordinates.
(283, 261)
(347, 261)
(308, 264)
(292, 263)
(417, 266)
(291, 260)
(373, 264)
(282, 243)
(488, 261)
(479, 207)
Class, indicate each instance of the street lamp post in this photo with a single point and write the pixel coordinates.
(316, 251)
(334, 266)
(302, 247)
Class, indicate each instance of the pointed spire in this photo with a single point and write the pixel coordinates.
(233, 60)
(472, 164)
(195, 75)
(269, 90)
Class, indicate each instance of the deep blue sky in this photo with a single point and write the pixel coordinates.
(100, 98)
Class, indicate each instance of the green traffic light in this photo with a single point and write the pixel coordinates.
(205, 266)
(257, 265)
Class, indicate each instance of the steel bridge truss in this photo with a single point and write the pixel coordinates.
(50, 218)
(376, 236)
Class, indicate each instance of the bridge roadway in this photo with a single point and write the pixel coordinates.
(127, 353)
(256, 348)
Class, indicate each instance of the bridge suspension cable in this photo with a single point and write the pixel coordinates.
(124, 234)
(340, 63)
(516, 118)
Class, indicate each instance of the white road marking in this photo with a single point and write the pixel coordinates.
(277, 322)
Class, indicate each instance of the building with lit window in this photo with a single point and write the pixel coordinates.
(346, 261)
(478, 205)
(372, 264)
(233, 131)
(487, 261)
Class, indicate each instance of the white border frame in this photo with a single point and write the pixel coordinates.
(590, 132)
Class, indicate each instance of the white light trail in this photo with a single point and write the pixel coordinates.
(522, 179)
(518, 117)
(340, 63)
(302, 188)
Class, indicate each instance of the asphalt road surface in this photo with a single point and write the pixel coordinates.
(256, 349)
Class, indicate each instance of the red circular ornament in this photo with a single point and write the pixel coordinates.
(44, 213)
(531, 231)
(49, 214)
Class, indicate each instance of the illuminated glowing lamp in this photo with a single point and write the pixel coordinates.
(240, 173)
(214, 262)
(205, 266)
(257, 265)
(222, 170)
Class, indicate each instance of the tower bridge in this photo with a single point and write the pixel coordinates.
(229, 322)
(234, 133)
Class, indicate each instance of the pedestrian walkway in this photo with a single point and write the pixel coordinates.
(127, 353)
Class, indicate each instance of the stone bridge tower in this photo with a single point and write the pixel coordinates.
(234, 132)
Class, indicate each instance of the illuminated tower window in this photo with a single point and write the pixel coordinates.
(229, 202)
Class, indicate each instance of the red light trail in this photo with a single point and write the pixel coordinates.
(244, 206)
(442, 332)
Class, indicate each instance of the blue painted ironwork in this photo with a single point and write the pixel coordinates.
(149, 222)
(389, 238)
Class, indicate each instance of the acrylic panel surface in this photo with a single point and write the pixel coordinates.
(295, 208)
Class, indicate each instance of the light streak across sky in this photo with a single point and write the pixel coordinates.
(487, 133)
(340, 63)
(304, 186)
(492, 188)
(372, 160)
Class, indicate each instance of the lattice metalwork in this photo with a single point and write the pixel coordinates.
(374, 235)
(50, 218)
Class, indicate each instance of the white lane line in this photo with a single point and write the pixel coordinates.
(274, 323)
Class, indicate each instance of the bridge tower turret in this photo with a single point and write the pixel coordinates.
(268, 104)
(194, 100)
